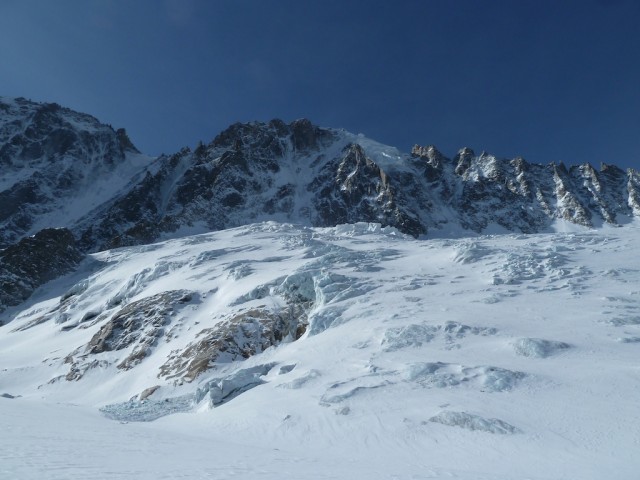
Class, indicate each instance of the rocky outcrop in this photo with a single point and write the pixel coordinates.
(519, 196)
(140, 323)
(34, 261)
(238, 338)
(354, 188)
(134, 329)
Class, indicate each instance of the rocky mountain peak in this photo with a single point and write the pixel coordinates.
(32, 131)
(57, 164)
(306, 136)
(125, 143)
(430, 153)
(462, 160)
(301, 134)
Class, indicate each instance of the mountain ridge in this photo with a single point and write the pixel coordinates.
(295, 172)
(261, 171)
(63, 169)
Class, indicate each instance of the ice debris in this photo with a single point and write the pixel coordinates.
(538, 348)
(474, 422)
(147, 410)
(221, 390)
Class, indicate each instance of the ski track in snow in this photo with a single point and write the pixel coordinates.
(493, 357)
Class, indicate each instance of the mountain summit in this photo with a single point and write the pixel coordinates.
(57, 165)
(65, 169)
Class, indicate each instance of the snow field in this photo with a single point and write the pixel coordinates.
(494, 357)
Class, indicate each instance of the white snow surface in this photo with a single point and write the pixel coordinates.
(494, 357)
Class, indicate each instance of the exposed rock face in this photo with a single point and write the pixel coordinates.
(244, 175)
(354, 188)
(49, 156)
(238, 338)
(139, 324)
(34, 261)
(527, 197)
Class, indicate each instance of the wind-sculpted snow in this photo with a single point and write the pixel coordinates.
(333, 397)
(302, 380)
(358, 339)
(415, 335)
(539, 267)
(426, 375)
(473, 422)
(629, 340)
(538, 347)
(410, 335)
(470, 252)
(622, 310)
(445, 375)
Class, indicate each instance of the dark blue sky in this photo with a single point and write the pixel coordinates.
(547, 80)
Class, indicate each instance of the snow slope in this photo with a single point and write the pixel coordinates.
(346, 352)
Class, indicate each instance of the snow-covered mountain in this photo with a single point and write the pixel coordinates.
(57, 165)
(301, 302)
(65, 169)
(324, 177)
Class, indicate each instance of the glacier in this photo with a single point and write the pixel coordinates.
(349, 351)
